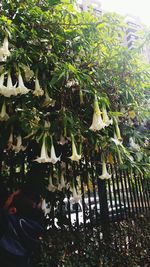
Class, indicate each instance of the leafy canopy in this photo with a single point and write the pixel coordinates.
(75, 56)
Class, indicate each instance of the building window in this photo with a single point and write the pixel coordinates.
(130, 30)
(131, 45)
(132, 37)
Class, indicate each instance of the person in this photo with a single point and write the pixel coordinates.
(21, 225)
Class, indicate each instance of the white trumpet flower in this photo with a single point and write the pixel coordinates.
(21, 89)
(53, 158)
(105, 174)
(27, 72)
(48, 101)
(62, 183)
(3, 114)
(133, 145)
(116, 141)
(47, 125)
(44, 207)
(38, 91)
(2, 87)
(1, 80)
(75, 156)
(117, 130)
(51, 187)
(10, 141)
(19, 147)
(106, 119)
(75, 196)
(44, 158)
(4, 51)
(97, 122)
(10, 89)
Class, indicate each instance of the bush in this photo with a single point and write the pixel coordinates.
(125, 244)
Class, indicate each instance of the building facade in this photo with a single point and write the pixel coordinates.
(131, 33)
(134, 25)
(86, 4)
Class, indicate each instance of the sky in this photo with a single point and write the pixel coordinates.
(140, 8)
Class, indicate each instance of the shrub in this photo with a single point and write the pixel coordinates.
(125, 244)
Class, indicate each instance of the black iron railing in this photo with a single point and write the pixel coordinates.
(125, 195)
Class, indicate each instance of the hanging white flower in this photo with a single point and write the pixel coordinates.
(118, 134)
(4, 51)
(133, 145)
(44, 158)
(3, 114)
(75, 156)
(146, 143)
(105, 174)
(38, 91)
(48, 101)
(27, 72)
(51, 187)
(53, 157)
(10, 89)
(2, 87)
(10, 141)
(97, 122)
(1, 80)
(106, 119)
(75, 196)
(46, 125)
(21, 89)
(62, 183)
(44, 207)
(116, 141)
(19, 147)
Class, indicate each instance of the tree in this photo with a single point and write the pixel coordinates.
(69, 86)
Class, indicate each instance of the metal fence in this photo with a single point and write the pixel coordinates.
(125, 195)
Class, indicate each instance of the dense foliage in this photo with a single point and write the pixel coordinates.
(70, 89)
(127, 245)
(76, 68)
